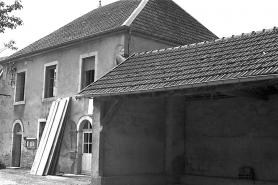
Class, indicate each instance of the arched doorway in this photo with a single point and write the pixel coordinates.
(84, 142)
(17, 133)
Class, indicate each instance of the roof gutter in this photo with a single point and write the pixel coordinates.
(188, 86)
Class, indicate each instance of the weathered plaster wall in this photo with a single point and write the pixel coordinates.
(134, 139)
(226, 134)
(145, 141)
(6, 122)
(68, 80)
(174, 137)
(67, 159)
(139, 43)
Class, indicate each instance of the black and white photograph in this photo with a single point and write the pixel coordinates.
(138, 92)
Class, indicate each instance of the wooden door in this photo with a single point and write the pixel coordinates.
(17, 150)
(86, 152)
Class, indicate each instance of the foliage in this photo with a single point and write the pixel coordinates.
(9, 45)
(9, 21)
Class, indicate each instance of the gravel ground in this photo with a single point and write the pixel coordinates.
(23, 177)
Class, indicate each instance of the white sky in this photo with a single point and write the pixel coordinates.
(223, 17)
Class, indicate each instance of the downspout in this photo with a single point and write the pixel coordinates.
(128, 42)
(131, 18)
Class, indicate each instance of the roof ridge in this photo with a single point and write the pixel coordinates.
(135, 13)
(208, 42)
(97, 21)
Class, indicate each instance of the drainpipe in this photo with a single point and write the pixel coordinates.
(128, 42)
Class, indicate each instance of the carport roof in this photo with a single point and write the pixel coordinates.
(247, 57)
(157, 18)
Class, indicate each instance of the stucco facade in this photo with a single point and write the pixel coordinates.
(35, 107)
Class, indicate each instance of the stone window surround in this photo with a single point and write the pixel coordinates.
(15, 89)
(95, 54)
(44, 99)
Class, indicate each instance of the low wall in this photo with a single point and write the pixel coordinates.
(201, 180)
(136, 180)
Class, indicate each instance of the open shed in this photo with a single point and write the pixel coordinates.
(203, 113)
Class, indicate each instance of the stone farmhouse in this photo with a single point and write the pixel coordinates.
(66, 61)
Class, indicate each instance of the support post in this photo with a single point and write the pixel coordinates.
(97, 144)
(174, 137)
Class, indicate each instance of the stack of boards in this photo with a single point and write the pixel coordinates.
(48, 151)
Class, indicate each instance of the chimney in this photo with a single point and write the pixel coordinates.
(99, 5)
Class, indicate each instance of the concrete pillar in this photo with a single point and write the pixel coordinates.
(174, 137)
(91, 106)
(97, 144)
(168, 135)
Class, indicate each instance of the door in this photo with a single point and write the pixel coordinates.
(86, 149)
(17, 150)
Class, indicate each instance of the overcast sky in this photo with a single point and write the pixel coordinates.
(223, 17)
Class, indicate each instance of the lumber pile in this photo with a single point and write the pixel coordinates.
(48, 151)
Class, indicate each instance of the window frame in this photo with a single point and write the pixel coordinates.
(81, 65)
(21, 102)
(47, 65)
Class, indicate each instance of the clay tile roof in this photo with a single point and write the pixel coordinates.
(97, 21)
(158, 18)
(165, 19)
(235, 58)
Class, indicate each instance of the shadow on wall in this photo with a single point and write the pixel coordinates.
(66, 158)
(5, 160)
(2, 165)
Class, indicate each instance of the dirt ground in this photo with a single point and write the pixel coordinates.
(23, 177)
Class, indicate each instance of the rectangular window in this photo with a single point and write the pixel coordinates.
(50, 82)
(20, 87)
(88, 71)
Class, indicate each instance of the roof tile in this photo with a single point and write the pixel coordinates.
(211, 61)
(159, 18)
(98, 20)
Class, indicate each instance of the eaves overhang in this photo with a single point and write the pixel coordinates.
(187, 86)
(68, 44)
